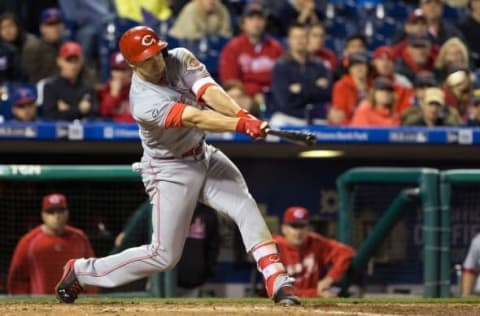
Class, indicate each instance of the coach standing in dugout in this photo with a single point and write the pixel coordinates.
(307, 255)
(40, 254)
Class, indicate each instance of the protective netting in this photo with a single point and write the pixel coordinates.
(399, 258)
(464, 219)
(99, 208)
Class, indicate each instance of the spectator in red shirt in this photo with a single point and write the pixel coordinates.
(415, 23)
(114, 95)
(350, 90)
(249, 57)
(307, 254)
(417, 56)
(316, 46)
(378, 110)
(40, 254)
(384, 65)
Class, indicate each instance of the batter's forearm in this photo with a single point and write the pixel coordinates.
(220, 101)
(208, 120)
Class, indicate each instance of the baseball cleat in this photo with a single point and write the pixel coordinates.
(68, 287)
(284, 291)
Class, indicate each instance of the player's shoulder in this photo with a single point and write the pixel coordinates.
(75, 232)
(315, 237)
(180, 54)
(280, 240)
(32, 234)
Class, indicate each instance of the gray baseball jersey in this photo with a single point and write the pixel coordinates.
(173, 180)
(472, 260)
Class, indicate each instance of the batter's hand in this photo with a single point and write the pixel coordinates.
(254, 128)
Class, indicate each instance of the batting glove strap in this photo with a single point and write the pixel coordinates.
(251, 127)
(244, 114)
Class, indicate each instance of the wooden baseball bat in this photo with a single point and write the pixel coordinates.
(296, 137)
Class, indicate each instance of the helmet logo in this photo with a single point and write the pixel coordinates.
(148, 40)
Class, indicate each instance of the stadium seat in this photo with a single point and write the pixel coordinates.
(387, 27)
(347, 10)
(336, 28)
(207, 49)
(454, 15)
(375, 41)
(334, 44)
(110, 36)
(397, 10)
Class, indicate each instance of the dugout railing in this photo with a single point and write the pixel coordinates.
(436, 190)
(426, 179)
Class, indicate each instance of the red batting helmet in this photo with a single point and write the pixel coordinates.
(140, 43)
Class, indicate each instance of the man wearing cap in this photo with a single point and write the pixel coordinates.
(40, 254)
(200, 18)
(350, 90)
(439, 29)
(113, 95)
(301, 84)
(24, 108)
(175, 101)
(432, 111)
(68, 96)
(307, 255)
(415, 23)
(41, 58)
(249, 57)
(418, 56)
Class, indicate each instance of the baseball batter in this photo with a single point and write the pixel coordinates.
(174, 100)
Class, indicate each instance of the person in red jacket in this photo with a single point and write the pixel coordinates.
(249, 57)
(40, 254)
(113, 95)
(307, 255)
(378, 110)
(350, 90)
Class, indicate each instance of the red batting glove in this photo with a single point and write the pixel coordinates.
(252, 127)
(244, 114)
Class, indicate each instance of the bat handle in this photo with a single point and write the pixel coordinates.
(265, 127)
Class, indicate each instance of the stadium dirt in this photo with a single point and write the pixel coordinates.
(130, 307)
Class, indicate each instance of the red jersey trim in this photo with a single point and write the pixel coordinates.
(471, 271)
(202, 90)
(174, 117)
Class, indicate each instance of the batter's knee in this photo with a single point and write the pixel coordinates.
(164, 258)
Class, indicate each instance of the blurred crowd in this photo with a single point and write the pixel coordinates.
(364, 63)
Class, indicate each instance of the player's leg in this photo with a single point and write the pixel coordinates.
(173, 191)
(226, 191)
